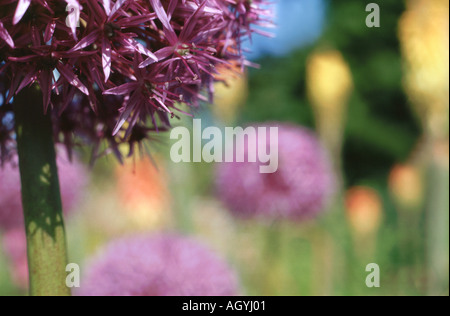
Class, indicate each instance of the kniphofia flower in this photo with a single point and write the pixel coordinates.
(364, 209)
(406, 185)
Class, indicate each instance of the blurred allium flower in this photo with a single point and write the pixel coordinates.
(114, 71)
(15, 248)
(73, 178)
(299, 189)
(162, 265)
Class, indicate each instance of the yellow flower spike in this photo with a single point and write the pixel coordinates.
(329, 79)
(424, 36)
(143, 193)
(230, 93)
(329, 86)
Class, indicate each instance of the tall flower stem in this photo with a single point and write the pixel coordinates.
(437, 229)
(46, 243)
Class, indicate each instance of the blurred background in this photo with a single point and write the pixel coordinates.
(378, 100)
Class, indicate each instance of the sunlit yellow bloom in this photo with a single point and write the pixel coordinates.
(230, 93)
(329, 85)
(424, 35)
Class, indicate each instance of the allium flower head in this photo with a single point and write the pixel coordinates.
(299, 189)
(73, 179)
(114, 71)
(15, 248)
(163, 265)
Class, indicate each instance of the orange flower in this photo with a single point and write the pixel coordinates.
(143, 191)
(364, 210)
(406, 186)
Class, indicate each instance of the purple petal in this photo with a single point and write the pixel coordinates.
(49, 31)
(86, 41)
(123, 89)
(191, 22)
(73, 17)
(116, 7)
(163, 53)
(30, 77)
(126, 111)
(15, 82)
(22, 7)
(132, 43)
(107, 6)
(72, 78)
(45, 82)
(106, 58)
(165, 20)
(4, 35)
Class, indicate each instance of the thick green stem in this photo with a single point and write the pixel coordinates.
(46, 244)
(438, 230)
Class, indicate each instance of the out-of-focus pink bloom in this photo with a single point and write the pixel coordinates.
(73, 178)
(298, 190)
(15, 247)
(113, 71)
(163, 265)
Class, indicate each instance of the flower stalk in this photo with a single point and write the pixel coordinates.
(44, 225)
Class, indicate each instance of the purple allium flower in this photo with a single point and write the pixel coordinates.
(162, 265)
(114, 71)
(298, 190)
(15, 248)
(73, 178)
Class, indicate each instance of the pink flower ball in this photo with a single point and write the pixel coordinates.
(162, 265)
(15, 248)
(298, 190)
(73, 179)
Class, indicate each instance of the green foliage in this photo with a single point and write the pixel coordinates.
(381, 129)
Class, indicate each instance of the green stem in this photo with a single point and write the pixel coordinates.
(438, 230)
(46, 244)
